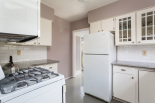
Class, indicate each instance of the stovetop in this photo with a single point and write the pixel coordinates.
(25, 78)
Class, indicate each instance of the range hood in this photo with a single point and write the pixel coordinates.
(19, 20)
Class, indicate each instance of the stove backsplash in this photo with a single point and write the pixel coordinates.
(134, 53)
(27, 53)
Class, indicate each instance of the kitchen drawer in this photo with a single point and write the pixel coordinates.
(125, 70)
(51, 67)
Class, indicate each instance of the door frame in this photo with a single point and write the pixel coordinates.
(75, 34)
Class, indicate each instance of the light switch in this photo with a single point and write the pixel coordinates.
(144, 52)
(18, 52)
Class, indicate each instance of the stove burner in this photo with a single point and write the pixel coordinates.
(21, 84)
(44, 77)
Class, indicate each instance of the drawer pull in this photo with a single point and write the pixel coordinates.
(50, 67)
(132, 77)
(123, 70)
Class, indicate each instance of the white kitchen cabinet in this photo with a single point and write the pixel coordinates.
(125, 83)
(104, 25)
(95, 27)
(146, 86)
(45, 34)
(146, 26)
(108, 24)
(52, 67)
(20, 16)
(125, 30)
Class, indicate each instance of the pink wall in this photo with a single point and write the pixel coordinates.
(118, 8)
(47, 12)
(80, 24)
(61, 48)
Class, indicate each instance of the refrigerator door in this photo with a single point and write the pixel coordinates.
(97, 43)
(97, 76)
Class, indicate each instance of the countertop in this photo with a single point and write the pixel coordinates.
(135, 64)
(26, 64)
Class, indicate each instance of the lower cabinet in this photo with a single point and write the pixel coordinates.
(146, 86)
(52, 67)
(125, 84)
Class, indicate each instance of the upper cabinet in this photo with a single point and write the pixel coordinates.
(104, 25)
(146, 26)
(108, 24)
(95, 27)
(45, 34)
(20, 17)
(125, 30)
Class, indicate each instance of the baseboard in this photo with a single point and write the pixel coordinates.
(78, 72)
(68, 78)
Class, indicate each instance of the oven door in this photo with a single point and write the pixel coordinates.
(51, 93)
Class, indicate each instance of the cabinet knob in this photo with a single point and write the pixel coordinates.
(98, 31)
(50, 67)
(139, 42)
(102, 30)
(132, 77)
(34, 42)
(132, 42)
(123, 70)
(38, 43)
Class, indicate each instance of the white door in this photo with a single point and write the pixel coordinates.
(19, 16)
(97, 76)
(147, 87)
(97, 43)
(95, 27)
(146, 26)
(125, 30)
(124, 87)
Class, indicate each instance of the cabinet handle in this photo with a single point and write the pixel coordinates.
(123, 70)
(102, 30)
(50, 67)
(132, 42)
(38, 43)
(139, 42)
(34, 42)
(132, 77)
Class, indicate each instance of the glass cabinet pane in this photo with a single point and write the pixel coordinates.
(149, 26)
(150, 13)
(143, 15)
(143, 26)
(124, 25)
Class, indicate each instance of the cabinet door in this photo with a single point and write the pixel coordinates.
(125, 30)
(95, 27)
(124, 87)
(108, 24)
(19, 16)
(146, 26)
(45, 33)
(146, 87)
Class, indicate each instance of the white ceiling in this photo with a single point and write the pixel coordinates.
(72, 10)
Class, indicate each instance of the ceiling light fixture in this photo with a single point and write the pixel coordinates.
(85, 1)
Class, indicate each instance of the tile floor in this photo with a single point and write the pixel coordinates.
(75, 92)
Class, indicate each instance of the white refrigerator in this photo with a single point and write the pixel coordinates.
(100, 52)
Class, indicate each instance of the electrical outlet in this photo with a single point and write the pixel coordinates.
(144, 53)
(18, 52)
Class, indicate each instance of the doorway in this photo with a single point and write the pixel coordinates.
(78, 50)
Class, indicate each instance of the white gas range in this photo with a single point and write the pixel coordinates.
(33, 85)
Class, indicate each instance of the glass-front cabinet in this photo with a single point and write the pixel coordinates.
(125, 30)
(146, 26)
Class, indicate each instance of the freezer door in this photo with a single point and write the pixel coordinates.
(97, 76)
(97, 43)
